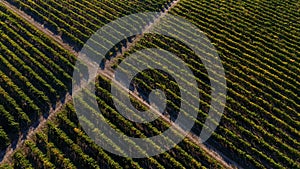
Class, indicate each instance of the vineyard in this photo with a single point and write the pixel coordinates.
(258, 43)
(35, 75)
(75, 21)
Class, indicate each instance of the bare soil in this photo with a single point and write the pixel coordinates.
(108, 73)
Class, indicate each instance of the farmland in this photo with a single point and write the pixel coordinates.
(257, 42)
(35, 75)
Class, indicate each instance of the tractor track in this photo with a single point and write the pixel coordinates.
(108, 73)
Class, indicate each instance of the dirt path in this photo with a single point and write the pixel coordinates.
(32, 130)
(37, 126)
(226, 162)
(39, 26)
(108, 73)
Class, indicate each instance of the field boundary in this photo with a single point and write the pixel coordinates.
(107, 72)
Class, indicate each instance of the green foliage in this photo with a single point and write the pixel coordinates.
(258, 43)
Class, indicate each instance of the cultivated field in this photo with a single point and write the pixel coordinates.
(258, 43)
